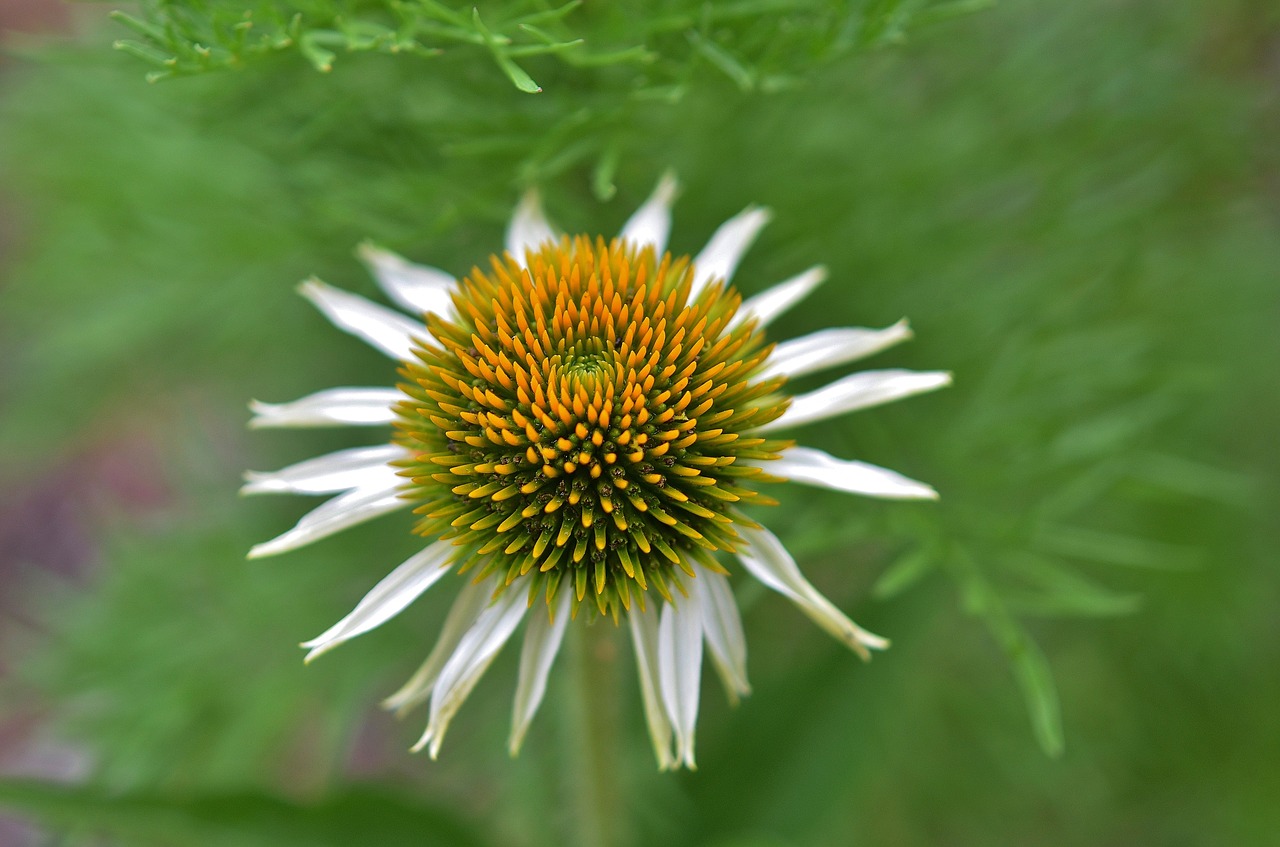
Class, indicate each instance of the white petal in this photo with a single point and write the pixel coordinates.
(388, 598)
(722, 626)
(345, 510)
(468, 605)
(529, 228)
(417, 288)
(857, 391)
(772, 302)
(719, 259)
(333, 406)
(830, 347)
(644, 638)
(475, 652)
(680, 672)
(389, 331)
(769, 562)
(541, 643)
(651, 224)
(359, 467)
(814, 467)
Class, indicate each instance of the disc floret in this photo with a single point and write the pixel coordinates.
(588, 418)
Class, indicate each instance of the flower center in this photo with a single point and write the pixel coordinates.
(588, 419)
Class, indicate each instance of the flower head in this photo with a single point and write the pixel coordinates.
(577, 428)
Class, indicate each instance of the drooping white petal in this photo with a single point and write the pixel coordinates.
(358, 467)
(331, 407)
(768, 561)
(475, 652)
(830, 347)
(719, 259)
(345, 510)
(387, 330)
(814, 467)
(680, 672)
(529, 228)
(470, 602)
(857, 391)
(722, 626)
(772, 302)
(388, 598)
(417, 288)
(651, 224)
(542, 641)
(644, 639)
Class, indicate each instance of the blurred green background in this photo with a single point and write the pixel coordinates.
(1077, 206)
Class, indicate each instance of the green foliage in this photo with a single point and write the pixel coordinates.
(1068, 205)
(640, 49)
(185, 701)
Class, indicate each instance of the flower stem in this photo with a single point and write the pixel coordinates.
(590, 726)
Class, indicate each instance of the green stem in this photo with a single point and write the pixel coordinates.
(590, 727)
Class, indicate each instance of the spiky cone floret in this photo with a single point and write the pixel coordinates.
(585, 424)
(577, 427)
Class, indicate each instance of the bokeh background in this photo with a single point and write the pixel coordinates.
(1078, 207)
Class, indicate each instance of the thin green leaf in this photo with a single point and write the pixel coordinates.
(144, 52)
(1035, 679)
(143, 28)
(602, 176)
(1056, 590)
(496, 46)
(1030, 668)
(320, 57)
(906, 571)
(1112, 548)
(729, 64)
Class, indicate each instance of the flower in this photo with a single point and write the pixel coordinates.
(577, 428)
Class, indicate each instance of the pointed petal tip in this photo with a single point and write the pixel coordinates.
(719, 259)
(263, 550)
(514, 745)
(256, 482)
(864, 642)
(252, 484)
(531, 201)
(529, 227)
(803, 283)
(373, 256)
(311, 287)
(262, 413)
(667, 188)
